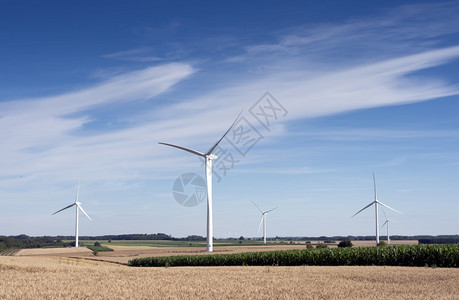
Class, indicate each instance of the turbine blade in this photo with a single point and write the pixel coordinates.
(257, 207)
(384, 212)
(363, 208)
(261, 222)
(387, 221)
(374, 184)
(78, 193)
(81, 208)
(64, 208)
(183, 148)
(216, 144)
(388, 207)
(271, 209)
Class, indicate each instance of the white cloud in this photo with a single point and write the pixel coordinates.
(37, 133)
(409, 28)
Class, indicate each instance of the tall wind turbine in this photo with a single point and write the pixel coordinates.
(263, 220)
(208, 156)
(376, 202)
(78, 207)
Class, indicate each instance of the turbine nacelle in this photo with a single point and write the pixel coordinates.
(212, 156)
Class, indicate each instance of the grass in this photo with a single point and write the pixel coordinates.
(446, 256)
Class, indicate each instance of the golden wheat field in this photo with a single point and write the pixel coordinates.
(73, 274)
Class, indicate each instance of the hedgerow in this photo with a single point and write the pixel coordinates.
(446, 256)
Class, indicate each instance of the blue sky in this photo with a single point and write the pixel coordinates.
(87, 90)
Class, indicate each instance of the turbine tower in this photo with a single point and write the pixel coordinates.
(78, 207)
(263, 220)
(208, 156)
(376, 202)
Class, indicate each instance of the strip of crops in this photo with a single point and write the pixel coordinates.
(446, 256)
(99, 248)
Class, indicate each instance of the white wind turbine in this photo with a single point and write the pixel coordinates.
(376, 202)
(263, 220)
(208, 156)
(387, 224)
(78, 207)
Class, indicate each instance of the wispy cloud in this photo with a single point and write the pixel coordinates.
(287, 171)
(410, 28)
(39, 134)
(137, 54)
(378, 134)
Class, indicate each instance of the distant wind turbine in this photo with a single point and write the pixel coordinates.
(376, 202)
(263, 220)
(387, 224)
(208, 156)
(78, 207)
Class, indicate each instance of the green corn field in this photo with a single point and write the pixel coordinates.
(444, 256)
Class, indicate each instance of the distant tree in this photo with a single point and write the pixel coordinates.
(382, 244)
(321, 246)
(195, 238)
(97, 244)
(345, 243)
(241, 238)
(309, 246)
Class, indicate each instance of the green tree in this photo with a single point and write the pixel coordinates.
(345, 243)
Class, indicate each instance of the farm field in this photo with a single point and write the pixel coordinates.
(128, 250)
(122, 254)
(161, 243)
(52, 277)
(166, 243)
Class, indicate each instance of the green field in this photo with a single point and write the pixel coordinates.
(161, 243)
(99, 248)
(446, 256)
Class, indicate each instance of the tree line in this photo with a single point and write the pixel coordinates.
(23, 241)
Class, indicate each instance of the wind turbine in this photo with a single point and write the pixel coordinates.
(208, 156)
(376, 202)
(78, 207)
(263, 220)
(387, 224)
